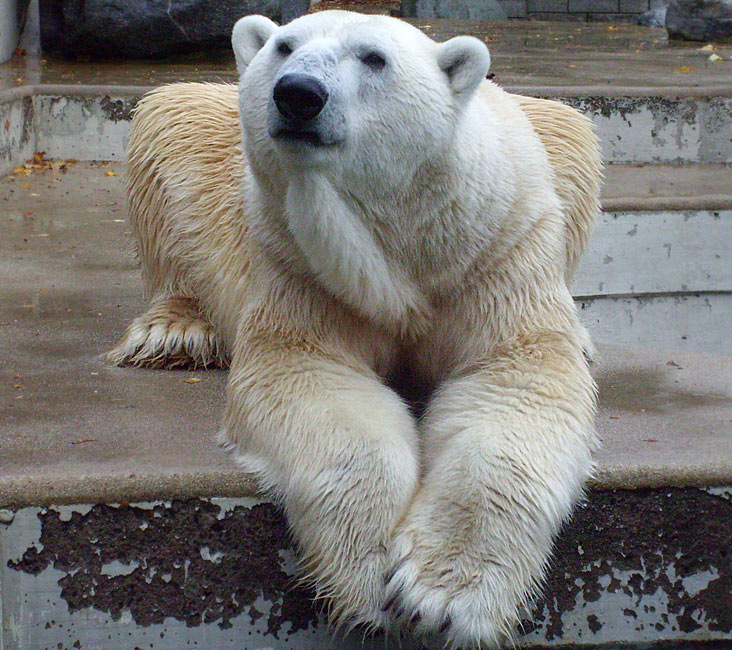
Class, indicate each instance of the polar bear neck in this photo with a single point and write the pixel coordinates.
(346, 258)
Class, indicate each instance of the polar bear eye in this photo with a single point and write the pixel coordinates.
(284, 49)
(373, 60)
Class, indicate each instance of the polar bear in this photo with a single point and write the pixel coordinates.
(395, 219)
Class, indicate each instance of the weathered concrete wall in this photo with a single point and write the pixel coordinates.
(84, 128)
(693, 322)
(657, 252)
(87, 126)
(661, 129)
(644, 269)
(93, 125)
(632, 566)
(17, 131)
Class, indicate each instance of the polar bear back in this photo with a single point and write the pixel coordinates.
(574, 154)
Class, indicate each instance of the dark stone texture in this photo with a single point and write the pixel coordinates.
(453, 9)
(700, 20)
(141, 29)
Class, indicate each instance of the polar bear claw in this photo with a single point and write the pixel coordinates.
(171, 334)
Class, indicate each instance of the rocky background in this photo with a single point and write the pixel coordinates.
(145, 29)
(149, 29)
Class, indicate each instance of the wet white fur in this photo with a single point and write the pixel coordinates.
(437, 238)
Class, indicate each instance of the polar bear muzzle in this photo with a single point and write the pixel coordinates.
(299, 98)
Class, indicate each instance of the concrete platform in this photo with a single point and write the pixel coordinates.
(165, 544)
(74, 430)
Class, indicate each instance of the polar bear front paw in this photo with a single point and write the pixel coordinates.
(439, 585)
(171, 334)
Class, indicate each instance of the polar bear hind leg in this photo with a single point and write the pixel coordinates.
(183, 175)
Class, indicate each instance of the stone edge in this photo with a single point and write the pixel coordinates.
(26, 491)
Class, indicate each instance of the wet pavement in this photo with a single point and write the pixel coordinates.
(598, 57)
(73, 429)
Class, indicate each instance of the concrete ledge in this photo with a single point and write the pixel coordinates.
(663, 421)
(668, 203)
(92, 123)
(117, 487)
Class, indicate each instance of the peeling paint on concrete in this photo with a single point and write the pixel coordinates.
(642, 566)
(106, 577)
(100, 553)
(661, 129)
(120, 109)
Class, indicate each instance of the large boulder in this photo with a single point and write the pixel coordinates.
(149, 28)
(700, 20)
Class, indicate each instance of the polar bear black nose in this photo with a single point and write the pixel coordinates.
(299, 97)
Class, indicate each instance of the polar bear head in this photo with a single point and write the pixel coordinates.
(337, 84)
(342, 113)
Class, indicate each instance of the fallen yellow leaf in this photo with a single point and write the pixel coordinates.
(109, 172)
(193, 380)
(685, 69)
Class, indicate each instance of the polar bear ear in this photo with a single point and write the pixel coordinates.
(249, 35)
(465, 60)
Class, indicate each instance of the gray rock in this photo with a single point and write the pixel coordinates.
(453, 9)
(12, 17)
(700, 20)
(146, 28)
(653, 18)
(292, 9)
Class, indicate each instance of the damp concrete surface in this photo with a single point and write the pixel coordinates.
(75, 427)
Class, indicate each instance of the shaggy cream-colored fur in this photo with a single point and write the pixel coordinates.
(436, 249)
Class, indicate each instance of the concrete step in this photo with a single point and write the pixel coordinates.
(125, 526)
(660, 254)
